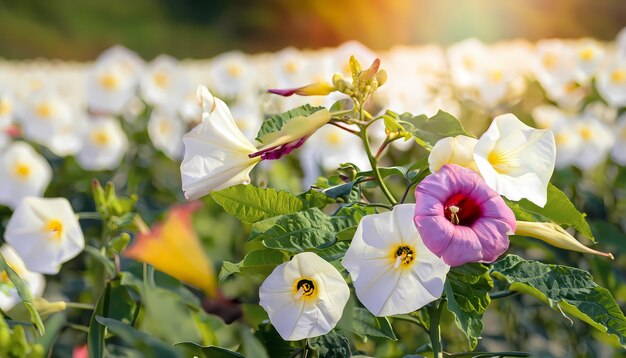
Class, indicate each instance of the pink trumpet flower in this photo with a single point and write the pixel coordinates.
(460, 218)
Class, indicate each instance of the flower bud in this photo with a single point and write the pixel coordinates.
(355, 66)
(556, 236)
(453, 150)
(381, 77)
(314, 89)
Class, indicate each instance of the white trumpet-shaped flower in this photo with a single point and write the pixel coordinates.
(23, 172)
(453, 150)
(34, 281)
(45, 233)
(393, 272)
(516, 160)
(304, 297)
(104, 145)
(216, 152)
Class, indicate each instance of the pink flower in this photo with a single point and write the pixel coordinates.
(460, 218)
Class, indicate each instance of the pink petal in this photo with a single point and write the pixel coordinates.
(493, 237)
(436, 231)
(464, 247)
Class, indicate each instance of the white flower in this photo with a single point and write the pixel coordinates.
(231, 74)
(466, 59)
(34, 281)
(166, 132)
(596, 141)
(516, 160)
(393, 272)
(45, 233)
(163, 83)
(112, 81)
(589, 55)
(304, 297)
(48, 119)
(7, 108)
(453, 150)
(289, 68)
(216, 152)
(104, 145)
(23, 172)
(612, 83)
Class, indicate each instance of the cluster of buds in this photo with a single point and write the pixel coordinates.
(364, 82)
(13, 342)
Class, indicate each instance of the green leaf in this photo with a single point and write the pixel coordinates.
(366, 324)
(315, 199)
(24, 292)
(251, 204)
(427, 131)
(569, 290)
(467, 290)
(207, 351)
(95, 336)
(305, 230)
(272, 341)
(143, 342)
(259, 262)
(333, 344)
(276, 122)
(560, 210)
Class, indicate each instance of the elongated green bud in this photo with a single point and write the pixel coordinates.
(556, 236)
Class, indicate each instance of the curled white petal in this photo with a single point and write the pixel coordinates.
(516, 160)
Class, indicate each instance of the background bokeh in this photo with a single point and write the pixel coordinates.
(80, 30)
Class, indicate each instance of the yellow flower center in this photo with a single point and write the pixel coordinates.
(498, 161)
(496, 76)
(619, 76)
(109, 81)
(586, 54)
(5, 107)
(402, 256)
(100, 137)
(161, 79)
(21, 170)
(333, 139)
(164, 127)
(586, 133)
(305, 288)
(241, 123)
(570, 87)
(291, 67)
(469, 63)
(55, 227)
(234, 70)
(561, 138)
(549, 60)
(44, 110)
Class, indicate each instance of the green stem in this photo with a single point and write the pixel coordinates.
(89, 215)
(374, 164)
(502, 294)
(80, 306)
(435, 330)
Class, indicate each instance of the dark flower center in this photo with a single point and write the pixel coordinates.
(461, 210)
(307, 286)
